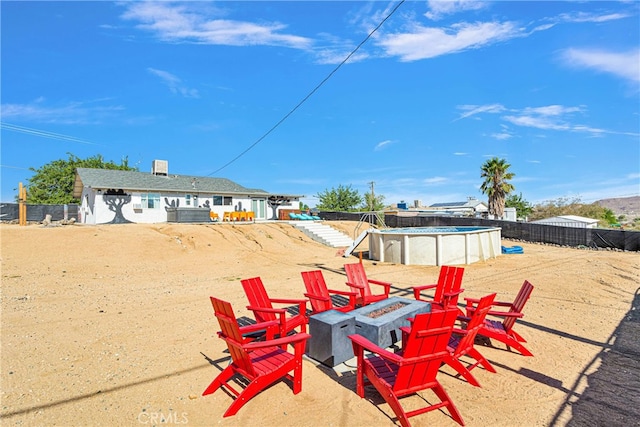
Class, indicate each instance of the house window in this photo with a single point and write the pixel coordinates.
(150, 200)
(222, 200)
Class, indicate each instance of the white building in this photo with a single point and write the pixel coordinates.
(470, 207)
(569, 221)
(116, 196)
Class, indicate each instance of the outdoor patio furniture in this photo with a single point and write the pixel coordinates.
(397, 375)
(503, 330)
(462, 341)
(261, 363)
(262, 307)
(359, 283)
(320, 297)
(447, 290)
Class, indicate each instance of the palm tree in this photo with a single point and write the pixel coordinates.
(496, 185)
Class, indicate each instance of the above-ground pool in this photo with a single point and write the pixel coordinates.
(434, 245)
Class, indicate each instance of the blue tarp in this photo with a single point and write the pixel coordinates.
(512, 250)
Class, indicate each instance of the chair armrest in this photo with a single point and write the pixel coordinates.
(258, 327)
(379, 282)
(423, 287)
(352, 296)
(453, 294)
(501, 304)
(267, 310)
(505, 314)
(301, 303)
(287, 301)
(471, 301)
(345, 293)
(354, 285)
(362, 342)
(386, 285)
(278, 342)
(317, 297)
(418, 289)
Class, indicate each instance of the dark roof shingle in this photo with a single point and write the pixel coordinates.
(141, 181)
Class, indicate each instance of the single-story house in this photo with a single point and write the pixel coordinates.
(569, 221)
(470, 207)
(116, 196)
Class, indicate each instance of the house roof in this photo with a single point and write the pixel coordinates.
(566, 218)
(148, 182)
(471, 203)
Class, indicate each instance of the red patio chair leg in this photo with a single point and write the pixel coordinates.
(462, 370)
(220, 380)
(481, 360)
(444, 397)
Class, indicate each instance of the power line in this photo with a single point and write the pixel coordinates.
(286, 116)
(44, 134)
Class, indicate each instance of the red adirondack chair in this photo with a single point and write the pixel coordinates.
(359, 283)
(260, 362)
(447, 289)
(397, 375)
(462, 340)
(262, 307)
(320, 297)
(503, 331)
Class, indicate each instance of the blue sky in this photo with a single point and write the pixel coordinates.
(254, 92)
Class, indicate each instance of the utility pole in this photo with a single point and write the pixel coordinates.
(373, 197)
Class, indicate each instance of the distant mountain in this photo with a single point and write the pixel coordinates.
(628, 206)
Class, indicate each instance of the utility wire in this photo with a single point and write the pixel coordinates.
(44, 134)
(286, 116)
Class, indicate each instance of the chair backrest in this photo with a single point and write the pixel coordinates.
(427, 345)
(315, 285)
(230, 333)
(449, 281)
(357, 275)
(257, 296)
(518, 304)
(474, 325)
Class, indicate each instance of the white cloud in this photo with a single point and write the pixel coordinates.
(472, 110)
(191, 22)
(501, 136)
(625, 65)
(383, 144)
(439, 8)
(581, 17)
(436, 180)
(549, 117)
(174, 83)
(69, 113)
(552, 110)
(428, 42)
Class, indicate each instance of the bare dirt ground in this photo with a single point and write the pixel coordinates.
(112, 325)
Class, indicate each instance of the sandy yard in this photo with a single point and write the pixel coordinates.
(112, 325)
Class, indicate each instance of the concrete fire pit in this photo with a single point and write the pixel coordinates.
(380, 322)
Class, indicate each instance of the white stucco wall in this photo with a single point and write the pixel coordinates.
(94, 208)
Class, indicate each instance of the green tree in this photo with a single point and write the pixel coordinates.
(523, 208)
(496, 184)
(373, 203)
(53, 182)
(343, 199)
